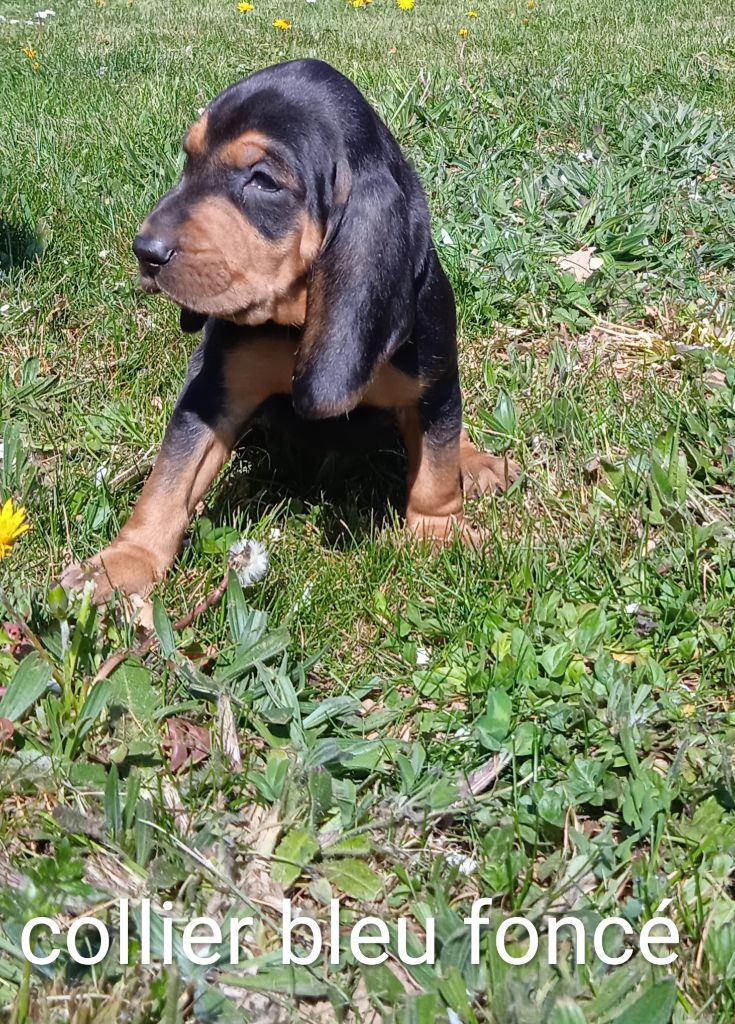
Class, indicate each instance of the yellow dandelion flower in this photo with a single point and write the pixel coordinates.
(406, 5)
(244, 7)
(471, 14)
(282, 24)
(359, 3)
(463, 33)
(531, 4)
(12, 526)
(29, 52)
(36, 66)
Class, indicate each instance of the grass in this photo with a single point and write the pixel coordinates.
(328, 716)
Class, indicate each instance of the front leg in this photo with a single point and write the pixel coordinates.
(226, 382)
(432, 431)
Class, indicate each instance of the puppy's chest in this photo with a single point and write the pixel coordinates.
(264, 360)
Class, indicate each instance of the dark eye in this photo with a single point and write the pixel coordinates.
(263, 182)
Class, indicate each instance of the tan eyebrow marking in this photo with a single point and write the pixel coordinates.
(244, 151)
(195, 139)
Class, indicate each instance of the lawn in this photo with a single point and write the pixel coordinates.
(549, 722)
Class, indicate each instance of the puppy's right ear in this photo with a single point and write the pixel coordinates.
(190, 321)
(361, 298)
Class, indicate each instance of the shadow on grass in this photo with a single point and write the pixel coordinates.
(353, 468)
(20, 244)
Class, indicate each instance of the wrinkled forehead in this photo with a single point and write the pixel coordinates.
(241, 127)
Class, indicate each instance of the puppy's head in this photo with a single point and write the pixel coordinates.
(291, 209)
(237, 235)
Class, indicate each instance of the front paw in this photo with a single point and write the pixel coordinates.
(441, 530)
(124, 566)
(483, 473)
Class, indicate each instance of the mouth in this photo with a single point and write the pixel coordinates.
(148, 283)
(151, 284)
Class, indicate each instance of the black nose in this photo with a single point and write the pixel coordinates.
(152, 252)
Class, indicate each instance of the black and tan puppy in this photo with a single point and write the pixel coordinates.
(299, 239)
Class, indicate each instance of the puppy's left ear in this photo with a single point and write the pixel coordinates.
(360, 299)
(191, 322)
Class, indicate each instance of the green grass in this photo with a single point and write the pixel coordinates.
(589, 647)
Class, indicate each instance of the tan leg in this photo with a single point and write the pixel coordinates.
(435, 505)
(199, 441)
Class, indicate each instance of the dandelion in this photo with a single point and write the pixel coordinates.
(406, 5)
(463, 33)
(244, 7)
(29, 52)
(282, 24)
(471, 14)
(531, 5)
(12, 526)
(249, 561)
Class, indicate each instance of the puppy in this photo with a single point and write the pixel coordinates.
(298, 239)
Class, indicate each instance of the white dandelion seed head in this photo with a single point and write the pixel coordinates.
(249, 560)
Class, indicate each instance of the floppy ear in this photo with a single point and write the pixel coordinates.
(360, 300)
(191, 322)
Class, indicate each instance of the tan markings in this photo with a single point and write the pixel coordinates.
(267, 365)
(225, 267)
(433, 473)
(171, 493)
(435, 508)
(244, 151)
(391, 388)
(483, 473)
(196, 137)
(258, 369)
(312, 239)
